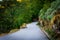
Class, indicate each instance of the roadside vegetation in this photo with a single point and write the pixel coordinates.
(49, 18)
(16, 13)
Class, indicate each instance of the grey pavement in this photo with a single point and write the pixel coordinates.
(32, 32)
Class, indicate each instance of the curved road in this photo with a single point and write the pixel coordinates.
(32, 32)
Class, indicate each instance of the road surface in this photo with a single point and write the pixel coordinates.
(32, 32)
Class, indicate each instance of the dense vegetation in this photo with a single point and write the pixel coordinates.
(48, 14)
(16, 12)
(13, 13)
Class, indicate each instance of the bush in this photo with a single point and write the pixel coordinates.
(17, 13)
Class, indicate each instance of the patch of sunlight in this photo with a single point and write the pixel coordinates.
(23, 25)
(0, 0)
(13, 30)
(19, 0)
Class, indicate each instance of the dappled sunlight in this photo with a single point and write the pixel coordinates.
(19, 0)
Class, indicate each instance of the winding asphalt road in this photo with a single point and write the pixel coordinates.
(32, 32)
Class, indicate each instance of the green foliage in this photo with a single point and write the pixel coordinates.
(50, 11)
(47, 12)
(43, 10)
(7, 17)
(51, 33)
(5, 21)
(17, 13)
